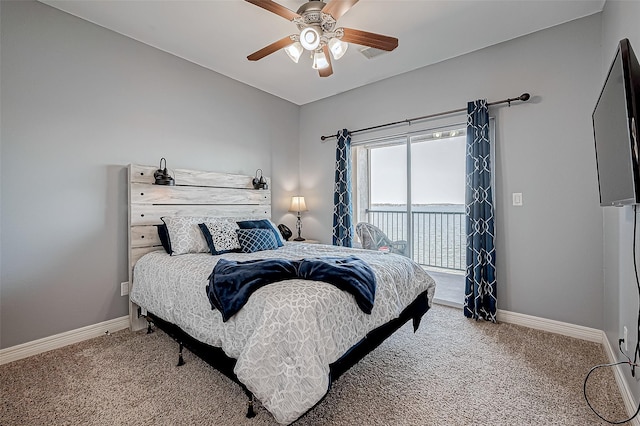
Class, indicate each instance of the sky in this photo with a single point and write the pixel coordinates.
(437, 172)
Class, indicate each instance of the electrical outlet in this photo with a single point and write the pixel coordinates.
(124, 288)
(624, 331)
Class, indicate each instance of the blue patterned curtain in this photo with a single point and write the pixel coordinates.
(342, 210)
(480, 287)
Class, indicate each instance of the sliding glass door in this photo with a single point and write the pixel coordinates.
(412, 188)
(437, 199)
(387, 183)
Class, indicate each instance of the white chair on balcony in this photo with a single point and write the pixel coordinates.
(372, 238)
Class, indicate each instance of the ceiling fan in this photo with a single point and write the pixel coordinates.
(316, 21)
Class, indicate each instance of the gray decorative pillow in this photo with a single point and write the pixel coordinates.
(221, 236)
(185, 234)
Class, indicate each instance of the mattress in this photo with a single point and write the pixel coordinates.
(289, 332)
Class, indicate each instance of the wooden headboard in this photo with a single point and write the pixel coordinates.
(196, 193)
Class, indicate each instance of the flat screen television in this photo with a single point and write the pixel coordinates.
(616, 128)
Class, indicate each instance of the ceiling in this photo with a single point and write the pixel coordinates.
(219, 34)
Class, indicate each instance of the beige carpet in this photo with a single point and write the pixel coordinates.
(454, 371)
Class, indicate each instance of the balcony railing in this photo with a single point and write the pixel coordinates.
(439, 238)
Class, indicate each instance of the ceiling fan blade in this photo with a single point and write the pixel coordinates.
(326, 72)
(365, 38)
(337, 8)
(268, 50)
(274, 7)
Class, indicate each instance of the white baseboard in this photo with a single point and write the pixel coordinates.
(45, 344)
(552, 326)
(629, 401)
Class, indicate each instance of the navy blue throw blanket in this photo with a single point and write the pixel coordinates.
(232, 282)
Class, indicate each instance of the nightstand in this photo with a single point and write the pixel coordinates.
(305, 241)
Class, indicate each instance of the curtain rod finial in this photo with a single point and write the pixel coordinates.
(525, 97)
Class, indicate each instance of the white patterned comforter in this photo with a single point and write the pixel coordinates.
(288, 333)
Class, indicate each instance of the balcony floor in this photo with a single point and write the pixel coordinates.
(449, 286)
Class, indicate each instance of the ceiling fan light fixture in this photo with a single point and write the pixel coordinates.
(319, 35)
(319, 61)
(310, 38)
(337, 48)
(294, 51)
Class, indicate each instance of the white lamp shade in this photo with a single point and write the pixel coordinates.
(338, 48)
(310, 38)
(294, 51)
(298, 204)
(319, 61)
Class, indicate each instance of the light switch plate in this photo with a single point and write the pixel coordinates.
(517, 198)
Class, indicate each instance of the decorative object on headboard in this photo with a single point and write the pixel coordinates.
(298, 205)
(260, 183)
(162, 175)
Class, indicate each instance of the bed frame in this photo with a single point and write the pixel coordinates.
(199, 193)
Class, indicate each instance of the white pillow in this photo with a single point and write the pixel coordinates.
(185, 234)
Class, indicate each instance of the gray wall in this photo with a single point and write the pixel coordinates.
(620, 19)
(79, 103)
(550, 250)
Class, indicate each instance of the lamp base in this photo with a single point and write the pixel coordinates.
(299, 239)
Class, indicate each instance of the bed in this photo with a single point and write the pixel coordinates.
(292, 338)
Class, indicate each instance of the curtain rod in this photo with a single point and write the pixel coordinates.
(524, 97)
